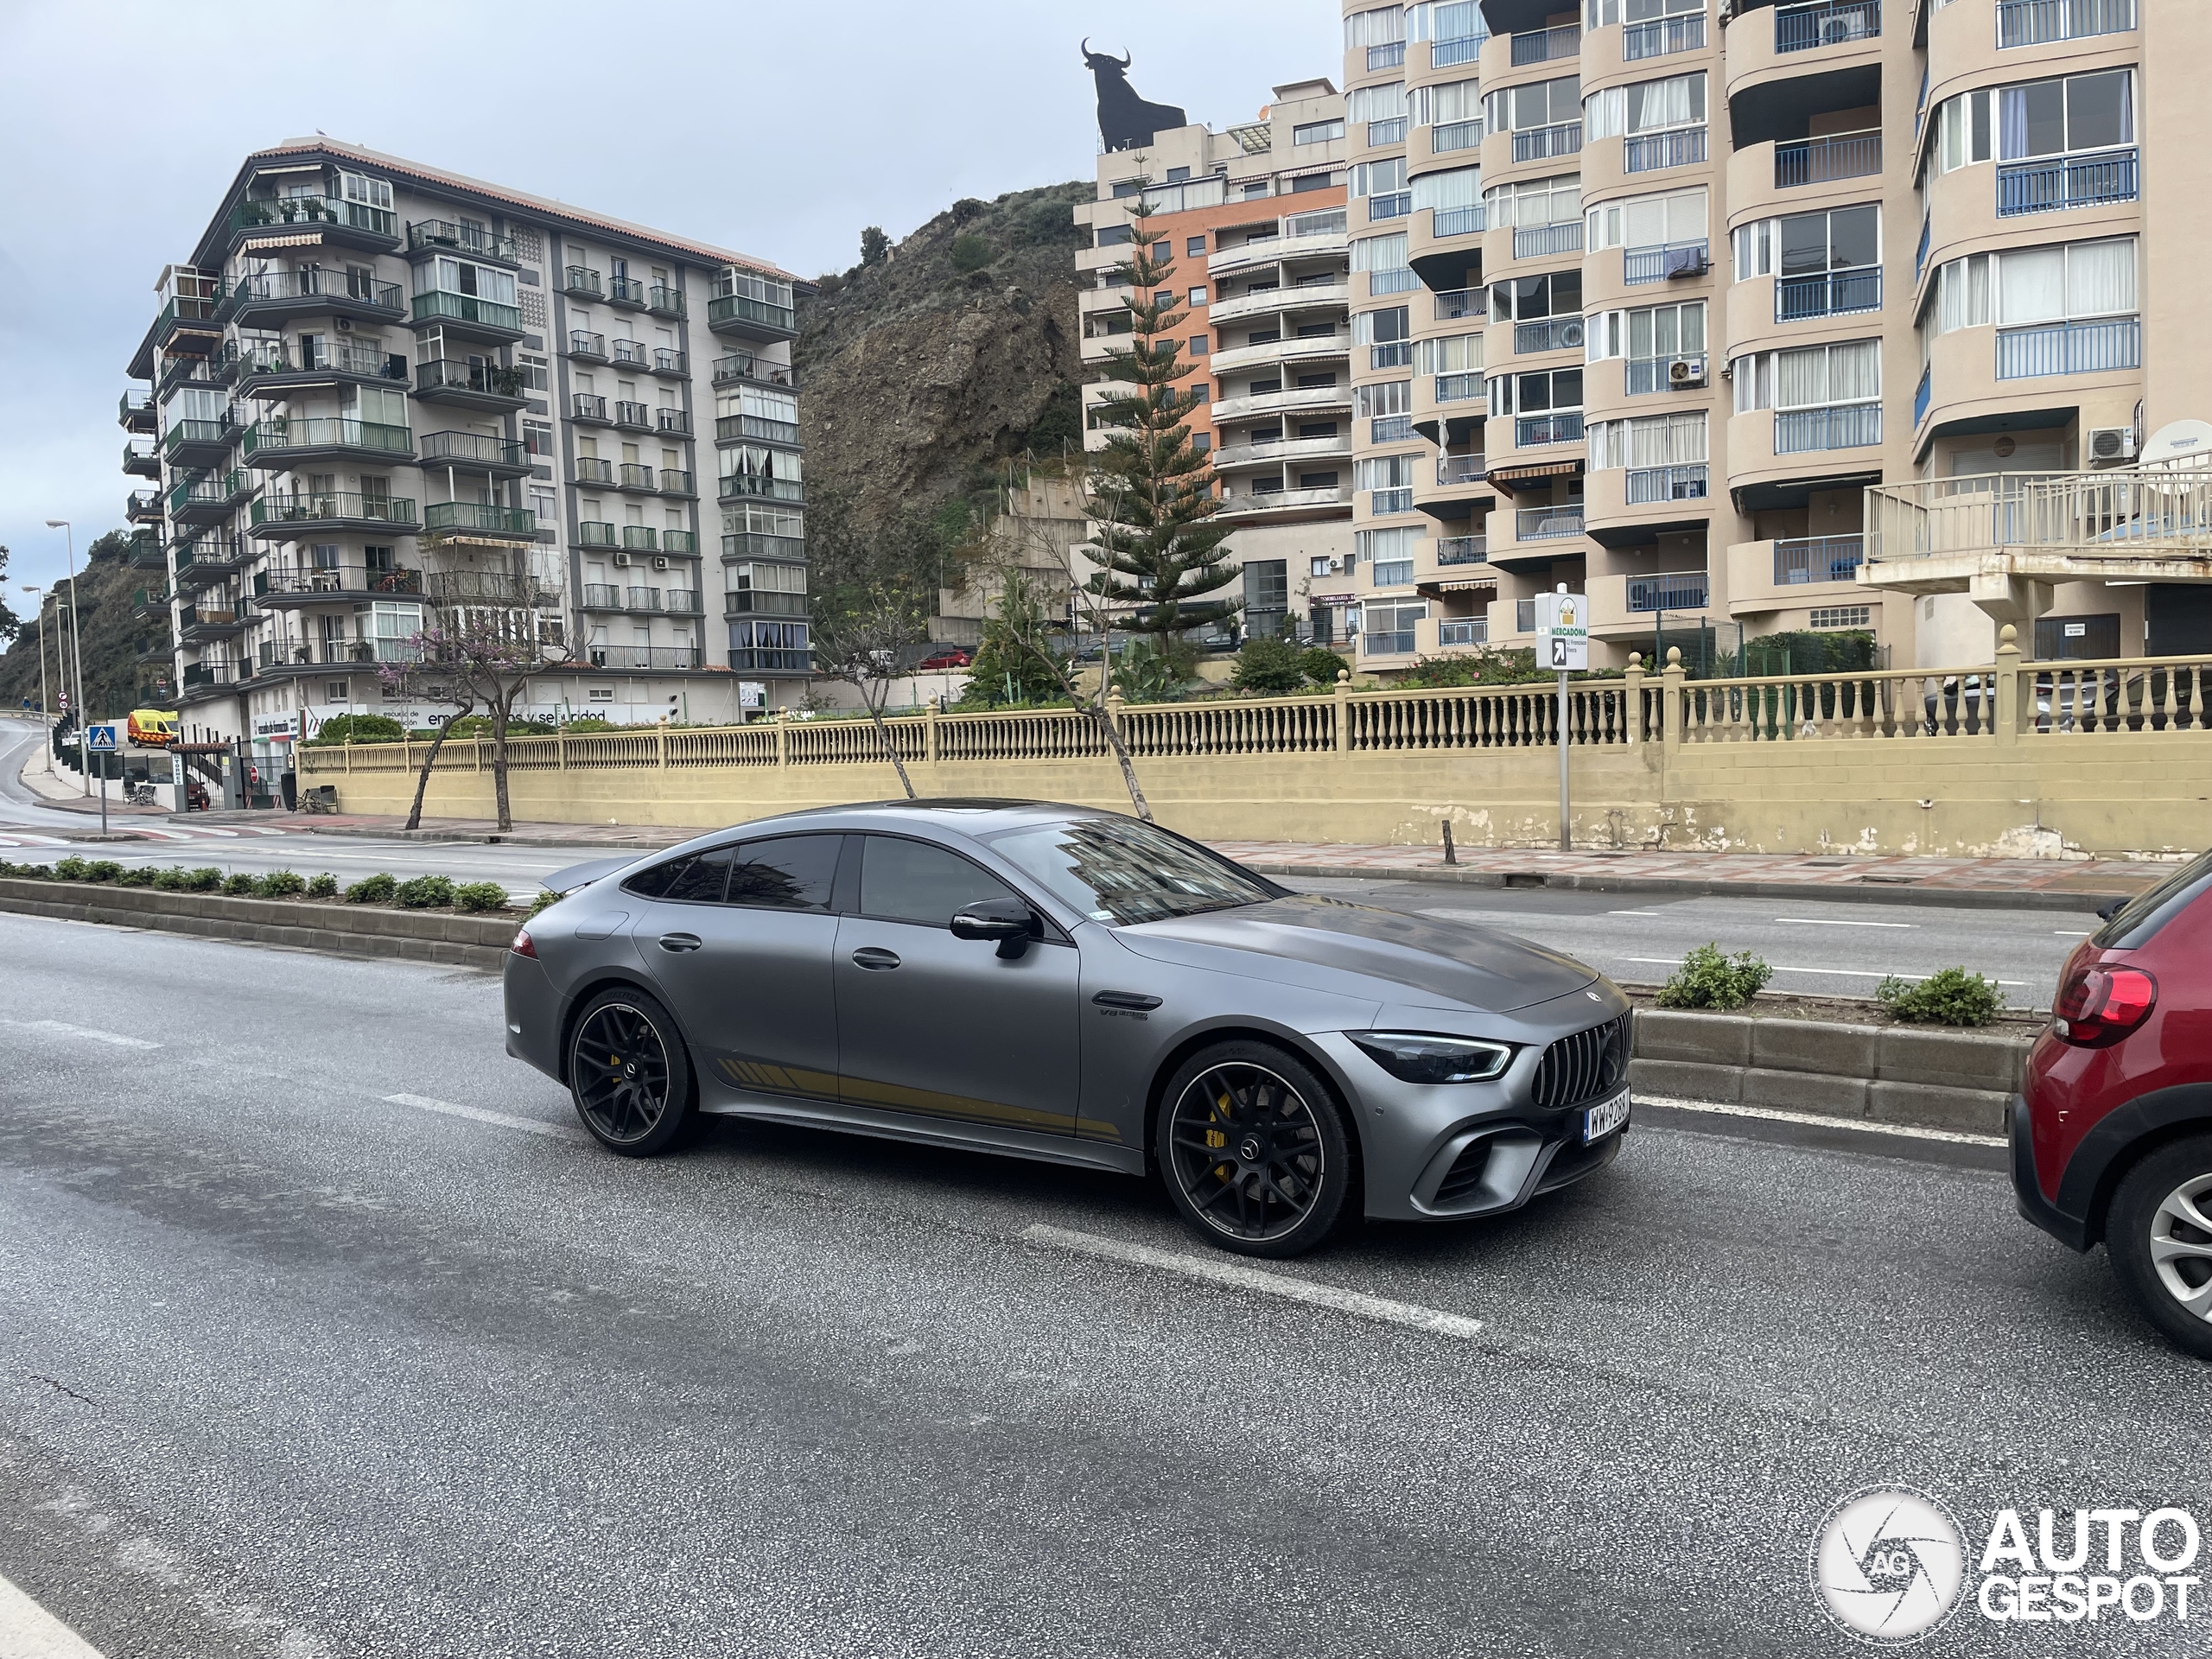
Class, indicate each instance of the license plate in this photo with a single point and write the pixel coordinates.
(1601, 1120)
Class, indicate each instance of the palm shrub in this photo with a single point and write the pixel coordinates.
(1709, 978)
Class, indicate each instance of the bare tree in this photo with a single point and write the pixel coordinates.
(865, 646)
(405, 680)
(485, 656)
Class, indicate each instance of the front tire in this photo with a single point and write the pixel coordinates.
(1253, 1151)
(630, 1074)
(2159, 1234)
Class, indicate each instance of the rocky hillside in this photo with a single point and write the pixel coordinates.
(111, 636)
(943, 355)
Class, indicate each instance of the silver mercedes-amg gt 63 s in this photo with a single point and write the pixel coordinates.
(1056, 983)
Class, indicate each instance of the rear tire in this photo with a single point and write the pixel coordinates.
(2159, 1234)
(1253, 1151)
(630, 1074)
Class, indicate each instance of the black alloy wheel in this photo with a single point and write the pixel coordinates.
(629, 1074)
(1254, 1150)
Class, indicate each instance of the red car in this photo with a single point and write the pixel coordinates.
(2112, 1131)
(950, 656)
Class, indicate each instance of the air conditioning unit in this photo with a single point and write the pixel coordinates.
(2111, 443)
(1684, 373)
(1571, 334)
(345, 325)
(659, 563)
(621, 561)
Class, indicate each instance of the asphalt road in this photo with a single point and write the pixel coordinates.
(323, 1333)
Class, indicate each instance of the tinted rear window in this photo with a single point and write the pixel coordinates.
(696, 878)
(790, 873)
(2137, 922)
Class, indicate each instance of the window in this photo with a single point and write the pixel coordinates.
(1843, 616)
(451, 275)
(1319, 565)
(1379, 112)
(1598, 14)
(1383, 178)
(913, 881)
(1809, 377)
(1846, 239)
(1456, 191)
(1389, 628)
(1385, 546)
(1526, 298)
(1962, 130)
(1668, 218)
(1648, 441)
(787, 873)
(537, 438)
(694, 878)
(1317, 132)
(1383, 26)
(1545, 104)
(1383, 259)
(1453, 102)
(2068, 281)
(1197, 344)
(1535, 203)
(1384, 333)
(1380, 398)
(1647, 106)
(2057, 118)
(1194, 247)
(1112, 236)
(1649, 338)
(1537, 394)
(1383, 473)
(336, 691)
(1454, 355)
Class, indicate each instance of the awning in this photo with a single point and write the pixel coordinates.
(257, 243)
(1462, 587)
(1506, 477)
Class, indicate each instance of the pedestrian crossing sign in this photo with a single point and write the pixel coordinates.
(100, 740)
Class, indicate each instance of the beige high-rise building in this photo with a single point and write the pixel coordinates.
(1658, 300)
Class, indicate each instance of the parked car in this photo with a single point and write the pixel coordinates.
(951, 657)
(151, 729)
(2112, 1131)
(1070, 985)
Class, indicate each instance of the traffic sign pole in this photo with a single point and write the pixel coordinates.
(100, 740)
(1566, 840)
(1563, 641)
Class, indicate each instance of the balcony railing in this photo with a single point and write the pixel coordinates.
(1664, 261)
(586, 406)
(760, 601)
(594, 469)
(1817, 558)
(1389, 55)
(674, 480)
(1524, 616)
(1534, 241)
(1831, 294)
(1921, 395)
(595, 532)
(744, 366)
(1457, 302)
(581, 344)
(282, 432)
(1462, 549)
(314, 584)
(1449, 137)
(665, 658)
(1461, 469)
(2094, 347)
(667, 360)
(1544, 45)
(1396, 204)
(1532, 431)
(317, 284)
(1650, 152)
(626, 290)
(636, 477)
(1463, 631)
(1649, 484)
(665, 302)
(1381, 503)
(197, 675)
(1681, 590)
(478, 241)
(641, 599)
(1538, 142)
(480, 517)
(679, 540)
(441, 307)
(627, 413)
(2037, 22)
(1825, 160)
(1920, 253)
(750, 484)
(1800, 28)
(1547, 523)
(639, 538)
(2064, 181)
(455, 374)
(472, 449)
(335, 507)
(582, 280)
(1850, 426)
(1464, 48)
(187, 434)
(731, 429)
(1395, 642)
(1551, 334)
(601, 596)
(1661, 37)
(742, 308)
(1458, 221)
(677, 421)
(314, 210)
(632, 354)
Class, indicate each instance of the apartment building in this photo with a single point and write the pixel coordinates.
(381, 397)
(1253, 219)
(1683, 290)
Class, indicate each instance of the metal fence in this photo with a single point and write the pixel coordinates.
(1824, 161)
(2069, 348)
(2064, 181)
(1830, 294)
(1848, 427)
(1652, 151)
(1800, 28)
(1817, 558)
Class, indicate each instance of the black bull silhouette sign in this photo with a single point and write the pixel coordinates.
(1126, 121)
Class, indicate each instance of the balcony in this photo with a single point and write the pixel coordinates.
(1462, 549)
(1534, 431)
(2097, 347)
(760, 601)
(196, 623)
(588, 407)
(285, 589)
(1850, 426)
(1297, 399)
(639, 538)
(2053, 186)
(632, 354)
(1541, 241)
(449, 235)
(681, 543)
(206, 499)
(750, 319)
(471, 384)
(1830, 294)
(2038, 23)
(591, 469)
(1455, 303)
(601, 596)
(1665, 262)
(1391, 54)
(143, 550)
(595, 532)
(589, 347)
(1663, 37)
(665, 302)
(676, 422)
(1540, 143)
(272, 300)
(142, 508)
(641, 599)
(210, 676)
(325, 219)
(669, 361)
(1546, 44)
(285, 440)
(626, 290)
(1460, 48)
(475, 452)
(581, 283)
(490, 588)
(1827, 160)
(1550, 334)
(1679, 590)
(149, 602)
(1275, 451)
(1549, 522)
(187, 322)
(656, 659)
(198, 443)
(681, 601)
(297, 515)
(1299, 348)
(207, 558)
(1447, 138)
(735, 429)
(1395, 204)
(636, 477)
(1801, 29)
(635, 415)
(1446, 222)
(759, 545)
(1647, 485)
(676, 481)
(1817, 558)
(1654, 152)
(478, 520)
(1285, 502)
(136, 412)
(467, 316)
(266, 369)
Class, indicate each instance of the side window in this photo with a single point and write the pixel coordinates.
(790, 873)
(913, 881)
(697, 878)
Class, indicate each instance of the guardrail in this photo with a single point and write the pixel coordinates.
(2135, 515)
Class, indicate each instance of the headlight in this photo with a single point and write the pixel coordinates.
(1420, 1057)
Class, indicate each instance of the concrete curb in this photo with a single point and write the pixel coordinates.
(453, 940)
(1869, 893)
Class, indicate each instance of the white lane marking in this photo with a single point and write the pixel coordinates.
(29, 1632)
(61, 1030)
(1631, 912)
(25, 838)
(2065, 933)
(1220, 1271)
(1841, 973)
(1825, 921)
(478, 1115)
(1865, 1126)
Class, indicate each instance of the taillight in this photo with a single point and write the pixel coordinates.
(521, 946)
(2097, 1006)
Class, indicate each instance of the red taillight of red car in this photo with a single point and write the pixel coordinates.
(522, 946)
(2097, 1006)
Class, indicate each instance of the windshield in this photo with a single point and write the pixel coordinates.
(1121, 872)
(2136, 923)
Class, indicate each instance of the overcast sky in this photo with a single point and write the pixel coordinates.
(779, 130)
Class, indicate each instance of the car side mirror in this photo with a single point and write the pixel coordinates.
(1005, 922)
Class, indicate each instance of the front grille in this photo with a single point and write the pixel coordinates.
(1586, 1066)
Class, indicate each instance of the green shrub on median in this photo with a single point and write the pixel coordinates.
(372, 889)
(279, 884)
(240, 885)
(104, 870)
(172, 880)
(480, 896)
(142, 877)
(1950, 997)
(71, 868)
(323, 886)
(424, 892)
(542, 900)
(1710, 979)
(205, 879)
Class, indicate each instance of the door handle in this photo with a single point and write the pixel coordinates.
(679, 942)
(869, 956)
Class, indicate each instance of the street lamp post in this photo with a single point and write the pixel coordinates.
(45, 705)
(76, 655)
